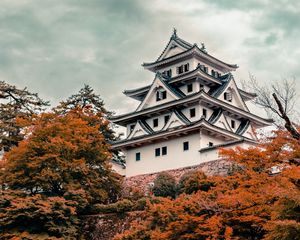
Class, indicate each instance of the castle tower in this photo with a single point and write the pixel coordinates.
(192, 107)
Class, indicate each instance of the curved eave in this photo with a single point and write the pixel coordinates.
(139, 93)
(124, 119)
(228, 144)
(247, 95)
(193, 50)
(203, 124)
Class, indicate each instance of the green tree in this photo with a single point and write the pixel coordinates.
(164, 185)
(16, 103)
(87, 99)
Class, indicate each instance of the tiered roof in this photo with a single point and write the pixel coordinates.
(188, 50)
(217, 86)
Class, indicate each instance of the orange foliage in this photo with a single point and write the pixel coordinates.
(250, 204)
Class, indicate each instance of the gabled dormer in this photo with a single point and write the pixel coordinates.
(160, 92)
(229, 93)
(141, 128)
(176, 119)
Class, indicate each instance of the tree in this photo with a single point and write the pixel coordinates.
(37, 217)
(164, 185)
(16, 103)
(249, 204)
(279, 101)
(65, 156)
(87, 99)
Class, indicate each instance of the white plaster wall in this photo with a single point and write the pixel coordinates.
(176, 157)
(118, 168)
(192, 66)
(152, 100)
(161, 122)
(237, 123)
(205, 139)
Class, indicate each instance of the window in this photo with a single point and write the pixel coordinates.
(180, 69)
(192, 112)
(131, 127)
(204, 112)
(205, 69)
(212, 72)
(185, 146)
(210, 144)
(186, 67)
(183, 68)
(201, 86)
(228, 96)
(232, 124)
(167, 73)
(157, 152)
(155, 122)
(137, 156)
(160, 95)
(164, 151)
(167, 117)
(190, 87)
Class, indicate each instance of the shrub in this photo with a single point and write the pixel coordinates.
(164, 185)
(119, 207)
(194, 181)
(140, 204)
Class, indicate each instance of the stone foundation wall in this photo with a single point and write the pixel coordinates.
(106, 226)
(142, 182)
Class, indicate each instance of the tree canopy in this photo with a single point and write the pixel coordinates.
(251, 203)
(16, 103)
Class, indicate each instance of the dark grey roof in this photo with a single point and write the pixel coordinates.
(225, 144)
(243, 127)
(215, 115)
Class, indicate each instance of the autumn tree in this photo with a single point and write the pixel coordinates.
(37, 217)
(16, 103)
(86, 98)
(249, 204)
(64, 155)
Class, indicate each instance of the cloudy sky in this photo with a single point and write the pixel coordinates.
(55, 46)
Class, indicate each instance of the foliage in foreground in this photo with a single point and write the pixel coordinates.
(26, 217)
(62, 167)
(250, 204)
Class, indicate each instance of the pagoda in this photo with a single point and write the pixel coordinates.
(191, 109)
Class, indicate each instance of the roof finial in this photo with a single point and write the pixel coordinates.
(203, 48)
(174, 35)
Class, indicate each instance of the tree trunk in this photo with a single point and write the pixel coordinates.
(288, 124)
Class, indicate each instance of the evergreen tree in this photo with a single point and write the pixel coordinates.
(87, 99)
(16, 104)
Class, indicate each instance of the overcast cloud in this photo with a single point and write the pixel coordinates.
(55, 46)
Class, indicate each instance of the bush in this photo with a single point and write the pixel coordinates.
(119, 207)
(194, 181)
(164, 186)
(140, 204)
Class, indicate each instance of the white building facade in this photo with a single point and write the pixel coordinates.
(191, 109)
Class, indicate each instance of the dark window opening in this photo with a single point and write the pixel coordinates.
(157, 152)
(232, 124)
(160, 95)
(164, 151)
(201, 86)
(138, 156)
(205, 69)
(131, 128)
(180, 69)
(185, 146)
(192, 112)
(190, 87)
(210, 144)
(167, 117)
(228, 96)
(204, 112)
(155, 122)
(186, 67)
